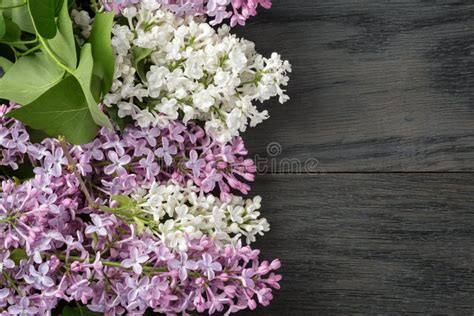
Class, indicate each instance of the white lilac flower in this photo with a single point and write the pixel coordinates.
(178, 213)
(83, 21)
(190, 71)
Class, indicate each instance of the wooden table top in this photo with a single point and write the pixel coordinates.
(367, 173)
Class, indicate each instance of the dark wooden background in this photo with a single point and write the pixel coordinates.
(383, 99)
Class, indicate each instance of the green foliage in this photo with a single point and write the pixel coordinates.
(58, 5)
(19, 15)
(43, 14)
(102, 53)
(23, 172)
(36, 136)
(62, 110)
(140, 224)
(29, 77)
(78, 311)
(123, 201)
(139, 56)
(58, 89)
(83, 75)
(63, 45)
(17, 255)
(5, 64)
(3, 26)
(122, 122)
(12, 31)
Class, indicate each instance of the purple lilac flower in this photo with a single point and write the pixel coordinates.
(118, 5)
(195, 163)
(238, 11)
(150, 167)
(113, 267)
(135, 261)
(99, 227)
(182, 265)
(23, 308)
(117, 163)
(55, 162)
(5, 261)
(39, 278)
(166, 151)
(208, 266)
(209, 277)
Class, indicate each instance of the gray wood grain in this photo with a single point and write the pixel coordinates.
(370, 243)
(382, 106)
(377, 85)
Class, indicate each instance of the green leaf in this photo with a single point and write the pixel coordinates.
(140, 224)
(62, 110)
(83, 74)
(63, 44)
(3, 27)
(29, 78)
(21, 16)
(7, 52)
(12, 31)
(43, 12)
(18, 254)
(123, 201)
(104, 58)
(78, 311)
(23, 172)
(139, 55)
(12, 34)
(58, 4)
(122, 122)
(95, 87)
(36, 136)
(5, 64)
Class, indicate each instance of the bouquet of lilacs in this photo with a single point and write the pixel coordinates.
(122, 168)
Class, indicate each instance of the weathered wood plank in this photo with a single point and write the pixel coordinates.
(370, 244)
(377, 85)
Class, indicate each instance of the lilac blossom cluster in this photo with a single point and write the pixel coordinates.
(64, 234)
(141, 156)
(119, 162)
(54, 248)
(147, 216)
(238, 11)
(14, 139)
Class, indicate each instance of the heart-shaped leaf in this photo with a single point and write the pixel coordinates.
(58, 4)
(29, 78)
(83, 75)
(12, 31)
(104, 58)
(2, 25)
(20, 15)
(43, 13)
(139, 55)
(63, 44)
(5, 64)
(60, 111)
